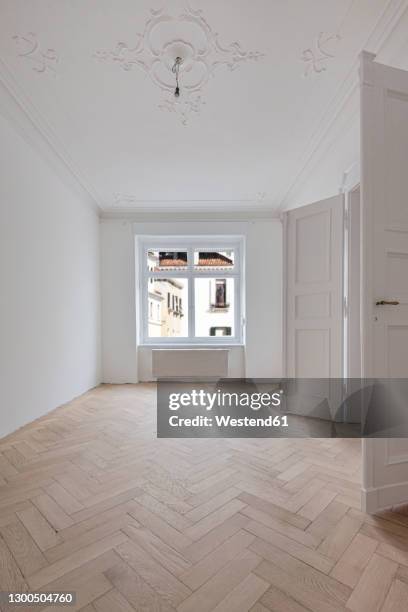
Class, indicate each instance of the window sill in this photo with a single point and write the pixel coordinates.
(217, 345)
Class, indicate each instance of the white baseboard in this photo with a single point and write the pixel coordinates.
(382, 498)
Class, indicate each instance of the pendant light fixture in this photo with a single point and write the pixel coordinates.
(176, 71)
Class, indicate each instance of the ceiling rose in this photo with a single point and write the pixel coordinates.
(178, 31)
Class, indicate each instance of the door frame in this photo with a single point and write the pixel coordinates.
(350, 185)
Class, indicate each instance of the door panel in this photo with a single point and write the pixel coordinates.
(313, 240)
(384, 155)
(314, 304)
(315, 289)
(314, 342)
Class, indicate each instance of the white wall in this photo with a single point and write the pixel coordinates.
(326, 176)
(264, 299)
(262, 356)
(119, 363)
(49, 287)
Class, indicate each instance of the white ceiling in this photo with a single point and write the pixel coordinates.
(245, 143)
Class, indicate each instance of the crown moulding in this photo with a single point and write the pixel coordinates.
(126, 201)
(185, 33)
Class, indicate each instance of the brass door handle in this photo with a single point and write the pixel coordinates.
(387, 303)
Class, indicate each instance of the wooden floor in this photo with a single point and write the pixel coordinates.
(91, 501)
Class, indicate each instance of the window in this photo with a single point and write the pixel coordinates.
(220, 331)
(196, 285)
(220, 294)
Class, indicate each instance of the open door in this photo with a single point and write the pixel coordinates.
(384, 224)
(314, 307)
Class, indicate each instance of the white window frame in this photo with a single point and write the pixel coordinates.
(192, 244)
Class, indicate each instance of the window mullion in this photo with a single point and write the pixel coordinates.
(191, 318)
(143, 292)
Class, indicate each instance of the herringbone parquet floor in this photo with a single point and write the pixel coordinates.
(91, 501)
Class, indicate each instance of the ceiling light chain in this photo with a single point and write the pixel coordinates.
(176, 71)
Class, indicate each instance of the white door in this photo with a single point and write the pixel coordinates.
(384, 160)
(314, 305)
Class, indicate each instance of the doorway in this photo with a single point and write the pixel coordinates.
(351, 284)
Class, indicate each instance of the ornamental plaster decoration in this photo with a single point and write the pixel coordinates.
(322, 51)
(42, 61)
(126, 200)
(261, 197)
(317, 56)
(182, 32)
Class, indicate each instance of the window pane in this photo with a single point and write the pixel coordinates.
(214, 307)
(214, 260)
(167, 307)
(158, 261)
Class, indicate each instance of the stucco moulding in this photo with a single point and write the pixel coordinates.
(42, 60)
(182, 32)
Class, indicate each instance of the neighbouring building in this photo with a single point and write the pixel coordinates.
(168, 297)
